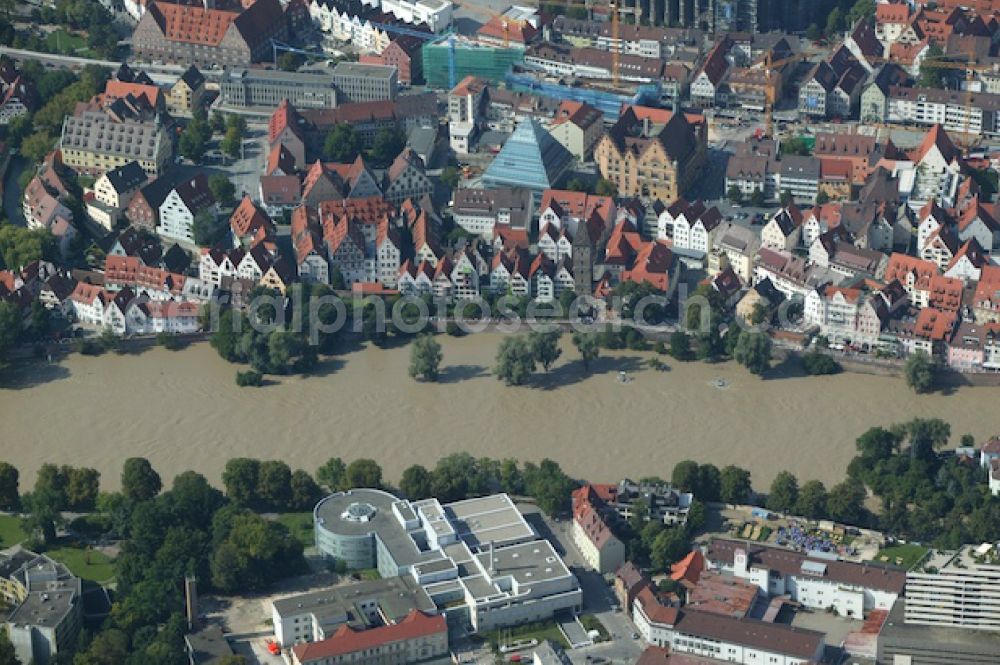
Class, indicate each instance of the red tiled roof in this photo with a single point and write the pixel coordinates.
(247, 219)
(192, 23)
(348, 640)
(115, 89)
(937, 136)
(507, 29)
(934, 324)
(689, 568)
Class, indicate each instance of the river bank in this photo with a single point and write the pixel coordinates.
(184, 411)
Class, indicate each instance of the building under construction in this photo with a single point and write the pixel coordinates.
(721, 15)
(471, 58)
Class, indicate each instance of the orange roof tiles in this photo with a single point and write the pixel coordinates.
(934, 324)
(192, 23)
(115, 89)
(347, 640)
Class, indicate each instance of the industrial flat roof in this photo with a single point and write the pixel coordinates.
(361, 69)
(395, 596)
(535, 561)
(47, 606)
(490, 519)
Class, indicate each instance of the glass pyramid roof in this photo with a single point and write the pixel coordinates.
(530, 158)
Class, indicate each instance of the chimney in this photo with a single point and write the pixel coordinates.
(191, 599)
(645, 126)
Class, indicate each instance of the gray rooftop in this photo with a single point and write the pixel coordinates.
(395, 597)
(345, 68)
(207, 645)
(280, 76)
(48, 605)
(370, 513)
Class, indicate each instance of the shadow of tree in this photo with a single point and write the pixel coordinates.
(573, 371)
(456, 373)
(31, 374)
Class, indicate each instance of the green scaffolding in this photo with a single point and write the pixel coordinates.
(486, 62)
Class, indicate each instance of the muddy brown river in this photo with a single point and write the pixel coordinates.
(183, 411)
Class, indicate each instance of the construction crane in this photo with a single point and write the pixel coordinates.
(771, 90)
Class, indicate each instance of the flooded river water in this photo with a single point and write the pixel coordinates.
(183, 411)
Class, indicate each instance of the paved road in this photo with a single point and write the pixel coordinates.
(598, 595)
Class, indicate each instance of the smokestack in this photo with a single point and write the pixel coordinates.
(191, 601)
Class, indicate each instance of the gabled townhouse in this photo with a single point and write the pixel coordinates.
(150, 317)
(695, 228)
(113, 191)
(187, 93)
(415, 279)
(279, 276)
(577, 126)
(443, 287)
(280, 194)
(739, 245)
(563, 208)
(280, 161)
(555, 243)
(311, 264)
(405, 178)
(791, 275)
(156, 283)
(181, 205)
(783, 230)
(968, 263)
(541, 275)
(656, 265)
(54, 295)
(345, 245)
(215, 264)
(986, 299)
(426, 243)
(388, 254)
(116, 309)
(601, 548)
(707, 84)
(833, 87)
(249, 225)
(941, 247)
(834, 310)
(88, 302)
(932, 331)
(974, 347)
(977, 222)
(18, 95)
(938, 167)
(286, 128)
(501, 272)
(143, 210)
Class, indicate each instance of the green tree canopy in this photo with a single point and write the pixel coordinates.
(140, 482)
(545, 347)
(784, 494)
(425, 357)
(515, 361)
(753, 351)
(587, 346)
(919, 371)
(416, 482)
(363, 473)
(342, 144)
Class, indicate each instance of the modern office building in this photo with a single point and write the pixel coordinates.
(530, 158)
(241, 88)
(45, 597)
(962, 593)
(479, 561)
(901, 641)
(357, 82)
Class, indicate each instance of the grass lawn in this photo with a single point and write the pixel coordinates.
(87, 564)
(547, 630)
(299, 525)
(11, 532)
(369, 574)
(904, 556)
(64, 42)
